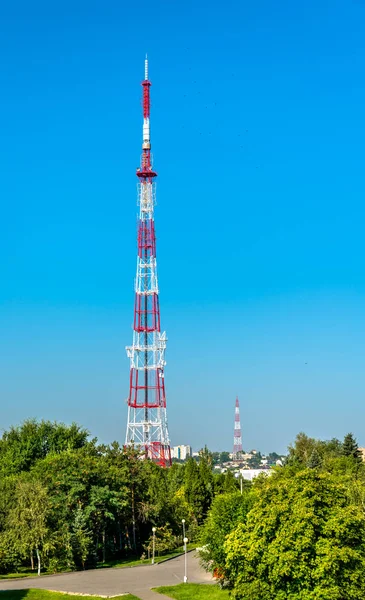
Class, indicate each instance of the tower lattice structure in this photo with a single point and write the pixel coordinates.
(147, 419)
(237, 436)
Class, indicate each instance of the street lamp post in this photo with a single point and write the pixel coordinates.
(183, 526)
(153, 544)
(186, 565)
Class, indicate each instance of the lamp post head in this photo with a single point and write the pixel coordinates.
(183, 520)
(154, 529)
(185, 540)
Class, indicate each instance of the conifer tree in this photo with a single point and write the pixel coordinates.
(350, 448)
(315, 460)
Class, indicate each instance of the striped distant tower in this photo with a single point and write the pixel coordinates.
(237, 438)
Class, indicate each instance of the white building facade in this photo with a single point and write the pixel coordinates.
(181, 452)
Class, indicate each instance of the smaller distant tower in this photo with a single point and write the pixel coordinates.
(237, 439)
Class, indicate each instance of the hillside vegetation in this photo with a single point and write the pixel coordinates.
(67, 502)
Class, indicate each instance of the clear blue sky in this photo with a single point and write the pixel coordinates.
(258, 134)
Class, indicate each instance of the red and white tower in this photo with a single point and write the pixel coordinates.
(237, 438)
(147, 421)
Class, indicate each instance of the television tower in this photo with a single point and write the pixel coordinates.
(147, 421)
(237, 437)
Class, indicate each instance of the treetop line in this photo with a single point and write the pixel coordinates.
(67, 502)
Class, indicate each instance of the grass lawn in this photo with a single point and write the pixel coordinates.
(121, 563)
(193, 591)
(18, 575)
(135, 562)
(25, 572)
(44, 595)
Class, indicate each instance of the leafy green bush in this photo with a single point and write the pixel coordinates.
(304, 539)
(226, 512)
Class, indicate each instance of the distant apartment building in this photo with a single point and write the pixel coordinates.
(250, 474)
(181, 452)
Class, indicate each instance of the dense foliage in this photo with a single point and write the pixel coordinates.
(297, 534)
(227, 511)
(68, 502)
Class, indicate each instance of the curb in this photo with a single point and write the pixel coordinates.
(177, 556)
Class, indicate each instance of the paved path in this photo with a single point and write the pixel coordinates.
(110, 582)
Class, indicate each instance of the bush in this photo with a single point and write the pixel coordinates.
(303, 540)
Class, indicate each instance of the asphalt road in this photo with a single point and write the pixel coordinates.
(111, 582)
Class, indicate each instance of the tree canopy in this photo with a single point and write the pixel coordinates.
(302, 540)
(298, 533)
(226, 512)
(80, 502)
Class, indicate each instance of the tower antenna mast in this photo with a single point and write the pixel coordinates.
(237, 436)
(147, 420)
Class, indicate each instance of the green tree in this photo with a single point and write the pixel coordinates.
(206, 473)
(22, 446)
(300, 452)
(164, 541)
(272, 457)
(10, 557)
(331, 448)
(231, 482)
(226, 512)
(350, 448)
(27, 521)
(102, 510)
(198, 486)
(206, 455)
(100, 500)
(255, 461)
(81, 536)
(314, 460)
(324, 451)
(303, 540)
(71, 478)
(224, 457)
